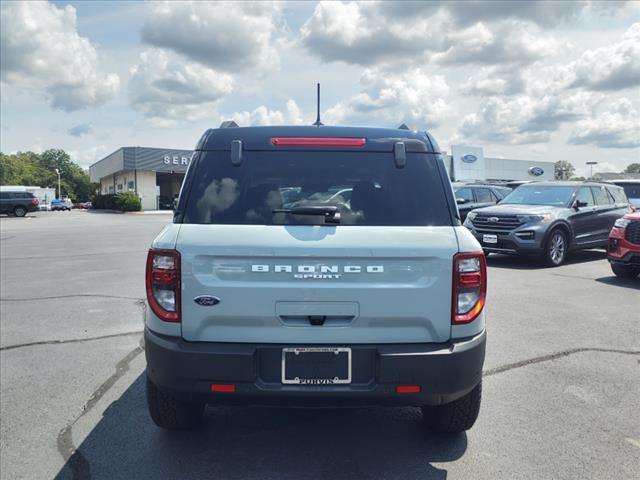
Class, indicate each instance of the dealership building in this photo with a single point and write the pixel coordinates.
(155, 174)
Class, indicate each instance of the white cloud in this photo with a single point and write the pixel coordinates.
(526, 119)
(612, 67)
(42, 49)
(414, 97)
(88, 156)
(368, 33)
(80, 130)
(361, 33)
(489, 81)
(292, 115)
(168, 89)
(508, 42)
(617, 127)
(222, 35)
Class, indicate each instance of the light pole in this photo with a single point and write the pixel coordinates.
(59, 192)
(591, 164)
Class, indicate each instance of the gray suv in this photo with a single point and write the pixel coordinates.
(549, 219)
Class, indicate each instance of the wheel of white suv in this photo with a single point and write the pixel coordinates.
(555, 250)
(625, 271)
(19, 211)
(170, 413)
(454, 417)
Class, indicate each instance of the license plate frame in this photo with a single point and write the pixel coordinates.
(490, 239)
(336, 380)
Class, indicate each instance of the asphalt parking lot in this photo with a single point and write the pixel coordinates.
(561, 388)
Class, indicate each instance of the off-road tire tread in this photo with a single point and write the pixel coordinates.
(170, 413)
(457, 416)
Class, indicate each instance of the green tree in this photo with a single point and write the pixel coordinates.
(632, 168)
(28, 168)
(563, 170)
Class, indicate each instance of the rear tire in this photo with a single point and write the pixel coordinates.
(454, 417)
(556, 248)
(19, 211)
(625, 271)
(170, 413)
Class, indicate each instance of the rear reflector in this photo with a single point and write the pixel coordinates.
(223, 387)
(408, 389)
(317, 142)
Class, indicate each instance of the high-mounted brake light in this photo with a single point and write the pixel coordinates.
(469, 287)
(317, 142)
(163, 283)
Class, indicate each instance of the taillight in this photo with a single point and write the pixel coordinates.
(163, 283)
(34, 201)
(469, 287)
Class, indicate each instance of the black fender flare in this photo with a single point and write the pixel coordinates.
(565, 226)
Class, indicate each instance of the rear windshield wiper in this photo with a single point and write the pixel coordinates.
(331, 213)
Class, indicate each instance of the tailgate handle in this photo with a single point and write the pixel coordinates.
(317, 320)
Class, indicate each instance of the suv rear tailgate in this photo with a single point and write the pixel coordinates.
(317, 284)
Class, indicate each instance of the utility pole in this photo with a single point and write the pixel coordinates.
(59, 192)
(591, 164)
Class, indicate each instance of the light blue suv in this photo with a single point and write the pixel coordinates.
(320, 266)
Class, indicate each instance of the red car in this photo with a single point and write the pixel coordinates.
(623, 251)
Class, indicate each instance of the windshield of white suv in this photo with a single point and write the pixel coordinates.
(556, 196)
(346, 188)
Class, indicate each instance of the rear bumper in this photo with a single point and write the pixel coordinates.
(445, 372)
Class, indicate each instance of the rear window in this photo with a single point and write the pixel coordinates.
(366, 188)
(631, 189)
(618, 194)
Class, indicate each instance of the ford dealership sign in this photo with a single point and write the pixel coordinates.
(536, 171)
(468, 158)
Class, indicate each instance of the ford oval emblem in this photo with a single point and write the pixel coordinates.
(468, 158)
(206, 300)
(536, 171)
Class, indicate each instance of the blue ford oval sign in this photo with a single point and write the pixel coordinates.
(468, 158)
(207, 300)
(536, 171)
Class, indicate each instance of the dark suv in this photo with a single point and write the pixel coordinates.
(472, 196)
(18, 203)
(549, 219)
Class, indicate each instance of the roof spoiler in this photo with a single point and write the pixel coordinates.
(228, 124)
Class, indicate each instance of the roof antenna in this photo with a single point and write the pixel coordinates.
(318, 122)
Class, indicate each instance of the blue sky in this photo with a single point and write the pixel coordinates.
(540, 80)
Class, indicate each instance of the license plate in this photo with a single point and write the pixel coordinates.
(489, 239)
(316, 365)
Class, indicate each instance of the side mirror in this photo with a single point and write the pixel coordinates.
(460, 201)
(578, 204)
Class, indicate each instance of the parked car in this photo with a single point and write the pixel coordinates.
(623, 251)
(379, 302)
(631, 189)
(18, 203)
(62, 205)
(549, 219)
(85, 205)
(472, 196)
(165, 202)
